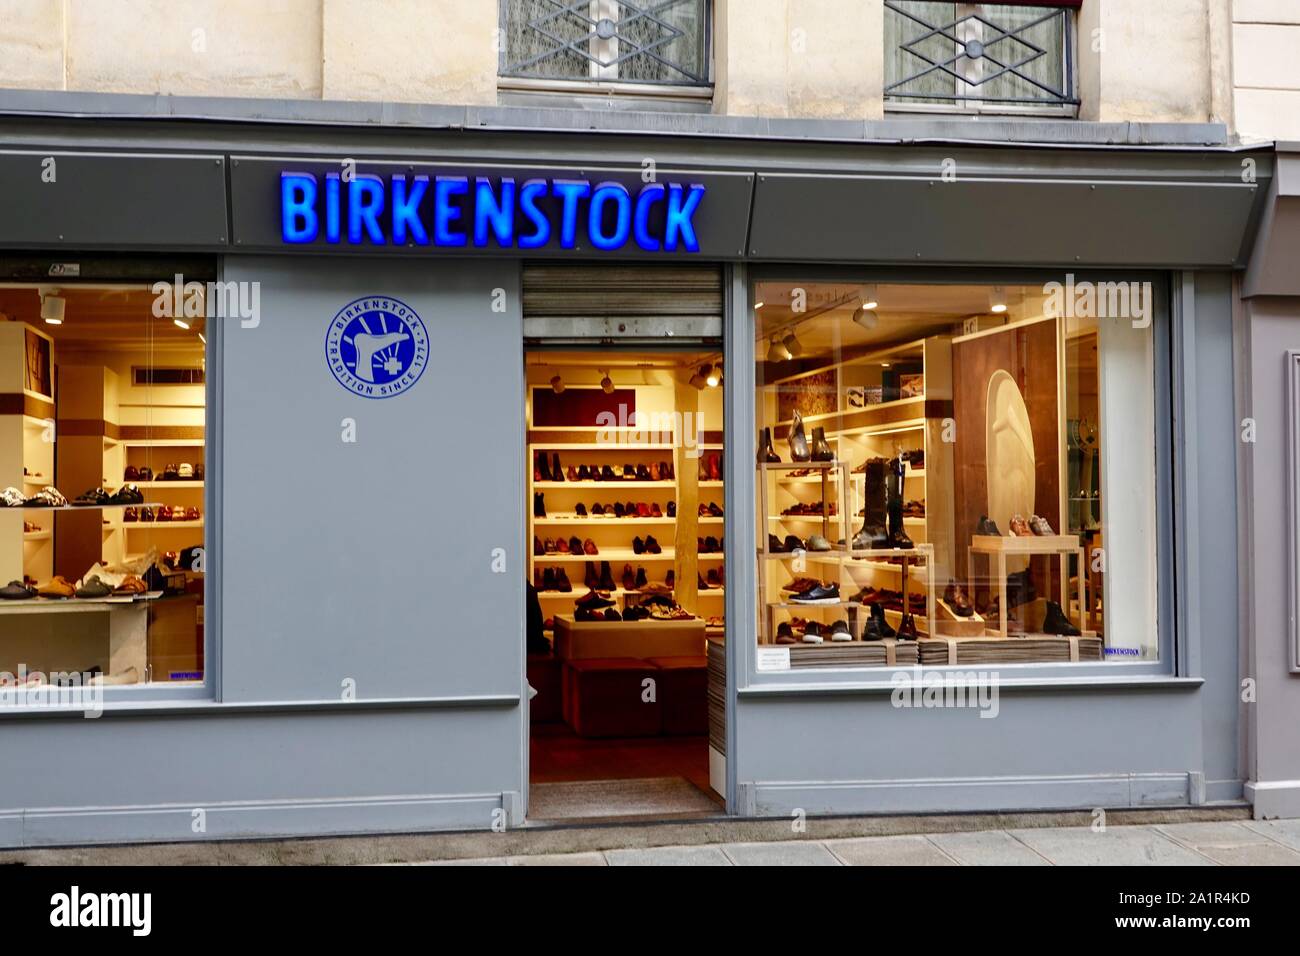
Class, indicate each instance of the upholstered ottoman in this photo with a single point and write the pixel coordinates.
(603, 698)
(683, 694)
(544, 676)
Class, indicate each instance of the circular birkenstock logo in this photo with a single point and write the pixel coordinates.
(377, 346)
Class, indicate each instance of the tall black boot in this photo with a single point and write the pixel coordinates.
(557, 473)
(544, 466)
(539, 504)
(894, 496)
(874, 533)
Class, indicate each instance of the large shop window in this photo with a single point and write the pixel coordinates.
(102, 430)
(956, 474)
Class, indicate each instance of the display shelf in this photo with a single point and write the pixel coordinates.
(133, 525)
(612, 483)
(712, 483)
(834, 519)
(806, 479)
(162, 442)
(800, 604)
(607, 554)
(38, 509)
(43, 535)
(599, 446)
(598, 520)
(182, 483)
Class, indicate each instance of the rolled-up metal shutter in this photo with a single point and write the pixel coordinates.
(660, 304)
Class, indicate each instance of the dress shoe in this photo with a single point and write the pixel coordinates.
(629, 579)
(640, 578)
(562, 581)
(619, 510)
(821, 450)
(557, 473)
(549, 546)
(840, 631)
(877, 614)
(907, 629)
(638, 546)
(822, 594)
(611, 614)
(813, 633)
(700, 583)
(799, 450)
(561, 546)
(191, 514)
(1055, 622)
(172, 472)
(1020, 527)
(17, 591)
(131, 474)
(606, 577)
(784, 634)
(584, 474)
(655, 511)
(146, 514)
(607, 473)
(146, 473)
(870, 538)
(1039, 526)
(571, 473)
(597, 511)
(715, 510)
(774, 545)
(131, 514)
(955, 597)
(629, 509)
(131, 585)
(652, 546)
(576, 546)
(591, 579)
(670, 579)
(817, 543)
(589, 547)
(643, 472)
(713, 579)
(128, 494)
(987, 528)
(539, 504)
(642, 510)
(580, 510)
(766, 453)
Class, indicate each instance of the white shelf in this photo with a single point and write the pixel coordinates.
(133, 525)
(833, 518)
(712, 483)
(184, 483)
(163, 442)
(585, 520)
(612, 483)
(606, 554)
(600, 446)
(43, 535)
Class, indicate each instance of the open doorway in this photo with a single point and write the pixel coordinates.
(627, 582)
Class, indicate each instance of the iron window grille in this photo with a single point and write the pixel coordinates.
(648, 42)
(979, 55)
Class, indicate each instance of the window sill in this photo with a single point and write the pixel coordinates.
(183, 708)
(875, 688)
(605, 88)
(1003, 111)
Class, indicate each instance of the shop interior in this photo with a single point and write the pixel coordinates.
(931, 473)
(627, 579)
(102, 428)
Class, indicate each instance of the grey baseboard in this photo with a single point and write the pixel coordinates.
(973, 794)
(1274, 799)
(248, 820)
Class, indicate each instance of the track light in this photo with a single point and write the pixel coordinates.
(998, 299)
(181, 324)
(557, 384)
(869, 300)
(792, 344)
(714, 376)
(866, 318)
(52, 309)
(699, 379)
(777, 352)
(607, 384)
(758, 305)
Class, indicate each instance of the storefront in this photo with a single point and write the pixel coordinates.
(382, 381)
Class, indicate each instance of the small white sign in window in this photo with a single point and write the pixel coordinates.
(773, 658)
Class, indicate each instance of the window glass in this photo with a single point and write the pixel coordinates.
(102, 466)
(956, 473)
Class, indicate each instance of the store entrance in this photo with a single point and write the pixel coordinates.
(626, 582)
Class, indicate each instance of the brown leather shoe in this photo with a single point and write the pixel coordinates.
(955, 597)
(589, 547)
(59, 587)
(1020, 527)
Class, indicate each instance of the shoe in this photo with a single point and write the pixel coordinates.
(871, 630)
(47, 497)
(611, 614)
(131, 473)
(640, 578)
(571, 474)
(955, 597)
(656, 473)
(95, 496)
(877, 614)
(12, 498)
(870, 538)
(822, 594)
(548, 547)
(589, 547)
(1039, 526)
(799, 450)
(16, 591)
(987, 528)
(1057, 623)
(629, 579)
(670, 579)
(542, 470)
(672, 509)
(1020, 527)
(821, 450)
(576, 546)
(606, 577)
(580, 509)
(700, 584)
(652, 546)
(655, 511)
(638, 546)
(59, 588)
(92, 587)
(146, 514)
(561, 546)
(774, 545)
(185, 472)
(597, 511)
(642, 510)
(606, 473)
(171, 472)
(766, 453)
(907, 629)
(899, 540)
(146, 473)
(812, 634)
(127, 495)
(131, 585)
(840, 631)
(713, 580)
(538, 550)
(817, 543)
(590, 578)
(584, 474)
(131, 514)
(715, 510)
(643, 473)
(539, 504)
(562, 581)
(784, 634)
(557, 473)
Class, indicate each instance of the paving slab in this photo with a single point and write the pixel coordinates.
(787, 853)
(1255, 854)
(669, 856)
(889, 851)
(1286, 832)
(987, 848)
(560, 859)
(1227, 833)
(1114, 846)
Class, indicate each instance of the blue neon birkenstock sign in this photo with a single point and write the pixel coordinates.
(463, 212)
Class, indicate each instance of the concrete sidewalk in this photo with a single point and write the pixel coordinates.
(1236, 843)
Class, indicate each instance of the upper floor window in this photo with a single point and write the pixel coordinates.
(655, 42)
(980, 57)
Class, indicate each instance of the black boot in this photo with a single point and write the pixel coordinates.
(544, 466)
(821, 451)
(539, 504)
(766, 453)
(871, 631)
(548, 579)
(799, 450)
(882, 625)
(894, 500)
(606, 577)
(591, 579)
(874, 533)
(907, 629)
(1057, 623)
(557, 473)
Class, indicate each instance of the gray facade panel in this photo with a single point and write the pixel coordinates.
(372, 561)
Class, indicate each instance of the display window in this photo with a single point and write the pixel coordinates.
(956, 474)
(102, 475)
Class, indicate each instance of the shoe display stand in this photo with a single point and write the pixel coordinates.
(996, 550)
(126, 632)
(156, 453)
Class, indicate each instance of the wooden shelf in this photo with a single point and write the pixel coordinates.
(606, 554)
(162, 442)
(43, 535)
(614, 483)
(133, 525)
(182, 483)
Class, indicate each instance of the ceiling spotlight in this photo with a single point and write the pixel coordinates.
(777, 352)
(607, 385)
(998, 299)
(869, 300)
(181, 324)
(792, 344)
(713, 378)
(758, 305)
(557, 384)
(866, 318)
(52, 308)
(698, 379)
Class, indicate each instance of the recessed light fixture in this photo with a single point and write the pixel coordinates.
(557, 384)
(776, 352)
(758, 305)
(866, 318)
(607, 384)
(869, 300)
(998, 299)
(52, 309)
(182, 324)
(884, 364)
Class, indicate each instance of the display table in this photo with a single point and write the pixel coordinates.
(998, 548)
(128, 625)
(578, 640)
